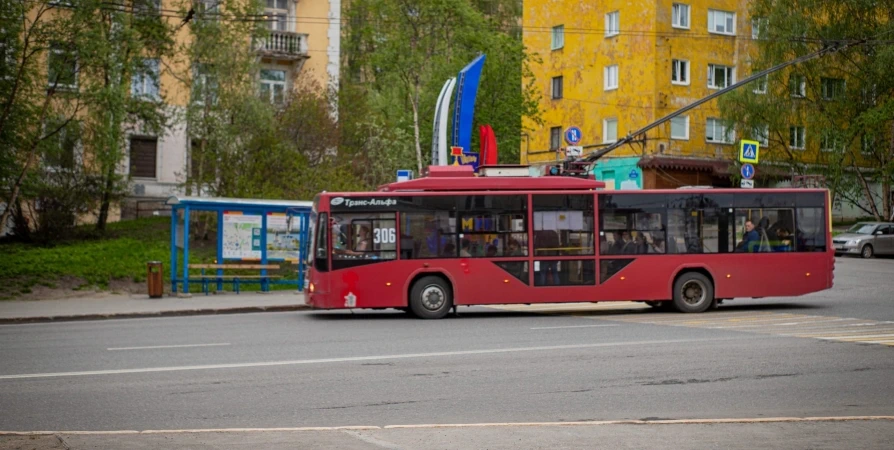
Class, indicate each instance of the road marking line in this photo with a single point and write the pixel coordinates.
(464, 425)
(357, 358)
(575, 326)
(168, 346)
(371, 440)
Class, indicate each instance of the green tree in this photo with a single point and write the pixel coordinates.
(402, 53)
(36, 104)
(844, 101)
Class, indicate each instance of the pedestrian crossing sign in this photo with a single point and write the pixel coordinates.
(748, 151)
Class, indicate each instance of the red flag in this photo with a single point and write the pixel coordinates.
(491, 147)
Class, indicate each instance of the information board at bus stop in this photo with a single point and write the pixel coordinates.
(242, 236)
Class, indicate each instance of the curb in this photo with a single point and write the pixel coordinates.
(137, 315)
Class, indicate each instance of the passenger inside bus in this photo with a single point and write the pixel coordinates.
(465, 249)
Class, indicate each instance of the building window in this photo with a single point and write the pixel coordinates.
(761, 133)
(557, 87)
(833, 88)
(277, 14)
(7, 56)
(680, 128)
(204, 85)
(718, 132)
(870, 95)
(796, 138)
(555, 137)
(680, 16)
(721, 22)
(798, 86)
(558, 35)
(63, 68)
(609, 130)
(720, 77)
(759, 27)
(147, 6)
(680, 71)
(208, 10)
(760, 85)
(143, 154)
(611, 77)
(867, 143)
(144, 82)
(273, 85)
(830, 142)
(613, 24)
(60, 149)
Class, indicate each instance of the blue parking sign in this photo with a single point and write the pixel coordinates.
(573, 135)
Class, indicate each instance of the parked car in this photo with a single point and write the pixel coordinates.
(866, 239)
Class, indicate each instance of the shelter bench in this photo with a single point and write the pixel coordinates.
(236, 279)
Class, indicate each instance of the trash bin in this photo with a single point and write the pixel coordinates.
(154, 279)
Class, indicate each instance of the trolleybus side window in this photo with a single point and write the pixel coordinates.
(464, 226)
(632, 224)
(563, 226)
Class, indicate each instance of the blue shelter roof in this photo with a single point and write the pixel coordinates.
(235, 203)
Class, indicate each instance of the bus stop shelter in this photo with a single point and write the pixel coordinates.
(248, 231)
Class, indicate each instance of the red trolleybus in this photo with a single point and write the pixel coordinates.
(453, 238)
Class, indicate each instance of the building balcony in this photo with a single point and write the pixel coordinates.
(283, 45)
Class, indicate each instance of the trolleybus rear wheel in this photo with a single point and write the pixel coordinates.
(693, 293)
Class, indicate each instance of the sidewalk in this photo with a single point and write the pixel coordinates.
(108, 306)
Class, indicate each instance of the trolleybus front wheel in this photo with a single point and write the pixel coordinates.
(431, 298)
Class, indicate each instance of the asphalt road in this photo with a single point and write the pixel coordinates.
(822, 355)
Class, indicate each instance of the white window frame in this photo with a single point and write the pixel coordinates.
(200, 86)
(761, 133)
(728, 18)
(759, 27)
(77, 151)
(797, 137)
(867, 143)
(273, 83)
(828, 88)
(713, 125)
(54, 50)
(613, 24)
(143, 85)
(685, 123)
(607, 79)
(605, 124)
(729, 74)
(561, 82)
(677, 67)
(283, 14)
(830, 142)
(681, 16)
(801, 91)
(558, 37)
(555, 132)
(761, 85)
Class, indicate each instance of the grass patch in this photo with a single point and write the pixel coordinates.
(89, 260)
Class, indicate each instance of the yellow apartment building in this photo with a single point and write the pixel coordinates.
(614, 66)
(304, 40)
